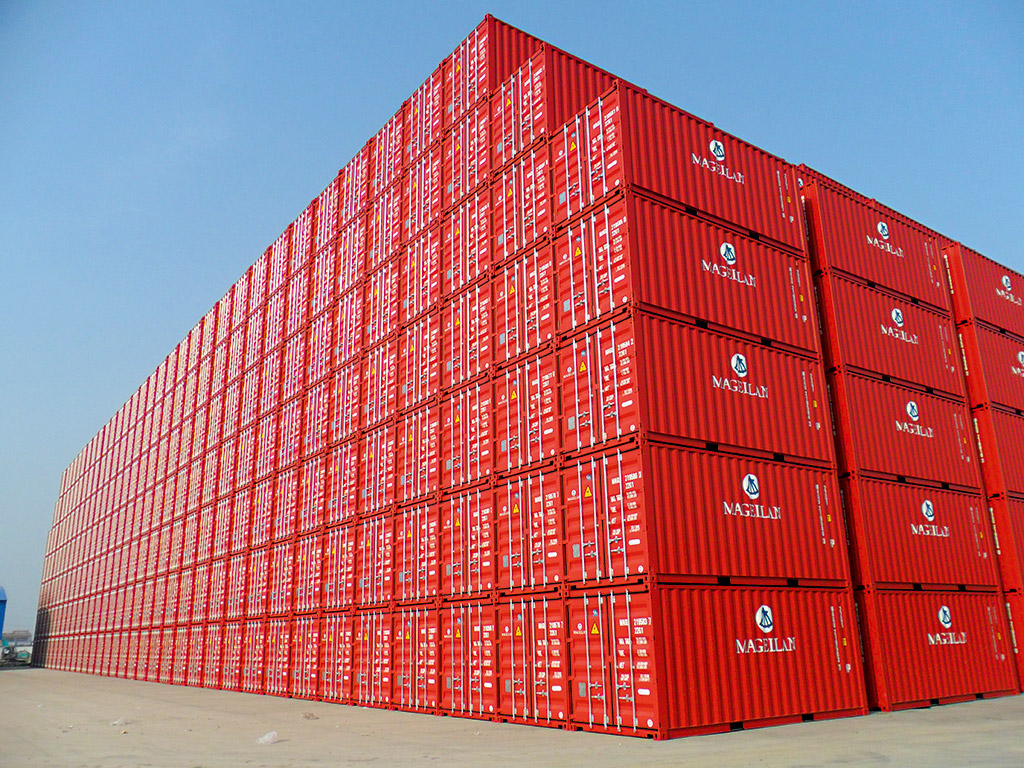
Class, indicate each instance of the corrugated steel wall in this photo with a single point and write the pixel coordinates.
(527, 417)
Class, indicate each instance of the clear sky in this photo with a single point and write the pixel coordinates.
(150, 151)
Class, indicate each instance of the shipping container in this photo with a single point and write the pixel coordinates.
(902, 536)
(984, 290)
(1008, 519)
(417, 659)
(469, 659)
(533, 659)
(1000, 435)
(994, 366)
(857, 236)
(901, 433)
(869, 330)
(467, 543)
(924, 648)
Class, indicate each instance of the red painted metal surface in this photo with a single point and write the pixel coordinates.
(336, 655)
(900, 432)
(902, 535)
(860, 237)
(1008, 519)
(371, 658)
(629, 137)
(530, 534)
(467, 155)
(1001, 436)
(469, 658)
(877, 332)
(419, 369)
(417, 659)
(696, 516)
(375, 553)
(520, 204)
(467, 435)
(425, 116)
(637, 249)
(983, 289)
(526, 413)
(417, 555)
(339, 566)
(524, 295)
(467, 241)
(423, 192)
(466, 335)
(533, 659)
(994, 366)
(628, 677)
(947, 646)
(421, 274)
(418, 453)
(467, 542)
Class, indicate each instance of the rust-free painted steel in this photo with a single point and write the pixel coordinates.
(425, 116)
(467, 435)
(637, 249)
(993, 365)
(696, 516)
(902, 535)
(520, 206)
(469, 658)
(923, 646)
(417, 659)
(900, 432)
(885, 334)
(467, 155)
(467, 542)
(530, 532)
(466, 335)
(524, 294)
(1008, 519)
(421, 274)
(533, 659)
(858, 236)
(417, 459)
(636, 655)
(467, 250)
(985, 290)
(417, 551)
(526, 413)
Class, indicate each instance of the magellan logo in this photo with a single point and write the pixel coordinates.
(752, 489)
(912, 427)
(728, 253)
(1007, 291)
(948, 637)
(929, 528)
(716, 164)
(896, 330)
(1018, 370)
(764, 620)
(882, 241)
(739, 366)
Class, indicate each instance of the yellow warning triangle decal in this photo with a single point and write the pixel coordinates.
(457, 523)
(578, 251)
(512, 288)
(458, 147)
(572, 146)
(519, 632)
(583, 367)
(514, 395)
(458, 321)
(515, 509)
(408, 535)
(509, 193)
(593, 629)
(587, 494)
(457, 418)
(458, 633)
(508, 102)
(407, 634)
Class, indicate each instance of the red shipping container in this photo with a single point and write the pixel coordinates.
(279, 261)
(236, 588)
(343, 493)
(354, 185)
(1008, 519)
(279, 582)
(351, 256)
(323, 294)
(526, 413)
(279, 640)
(524, 299)
(326, 215)
(417, 565)
(466, 253)
(899, 432)
(419, 356)
(321, 348)
(530, 536)
(317, 426)
(302, 238)
(696, 516)
(305, 658)
(339, 566)
(421, 274)
(466, 335)
(935, 647)
(994, 366)
(858, 236)
(424, 116)
(381, 303)
(286, 495)
(380, 374)
(467, 154)
(231, 664)
(418, 453)
(467, 542)
(469, 663)
(521, 207)
(870, 330)
(384, 227)
(985, 290)
(629, 137)
(534, 659)
(297, 311)
(1001, 435)
(375, 545)
(348, 335)
(178, 660)
(312, 493)
(423, 190)
(371, 662)
(387, 153)
(252, 657)
(308, 570)
(211, 656)
(337, 637)
(417, 668)
(467, 435)
(290, 438)
(902, 535)
(636, 658)
(377, 474)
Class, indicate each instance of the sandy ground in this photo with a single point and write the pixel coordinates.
(64, 719)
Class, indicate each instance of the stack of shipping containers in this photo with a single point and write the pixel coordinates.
(525, 417)
(921, 542)
(988, 305)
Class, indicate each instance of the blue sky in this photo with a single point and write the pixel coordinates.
(149, 152)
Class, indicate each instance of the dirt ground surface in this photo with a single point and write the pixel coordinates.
(65, 719)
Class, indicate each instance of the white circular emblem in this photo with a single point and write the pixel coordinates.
(718, 150)
(1007, 283)
(945, 619)
(764, 619)
(883, 230)
(928, 510)
(897, 316)
(728, 251)
(739, 365)
(751, 486)
(912, 411)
